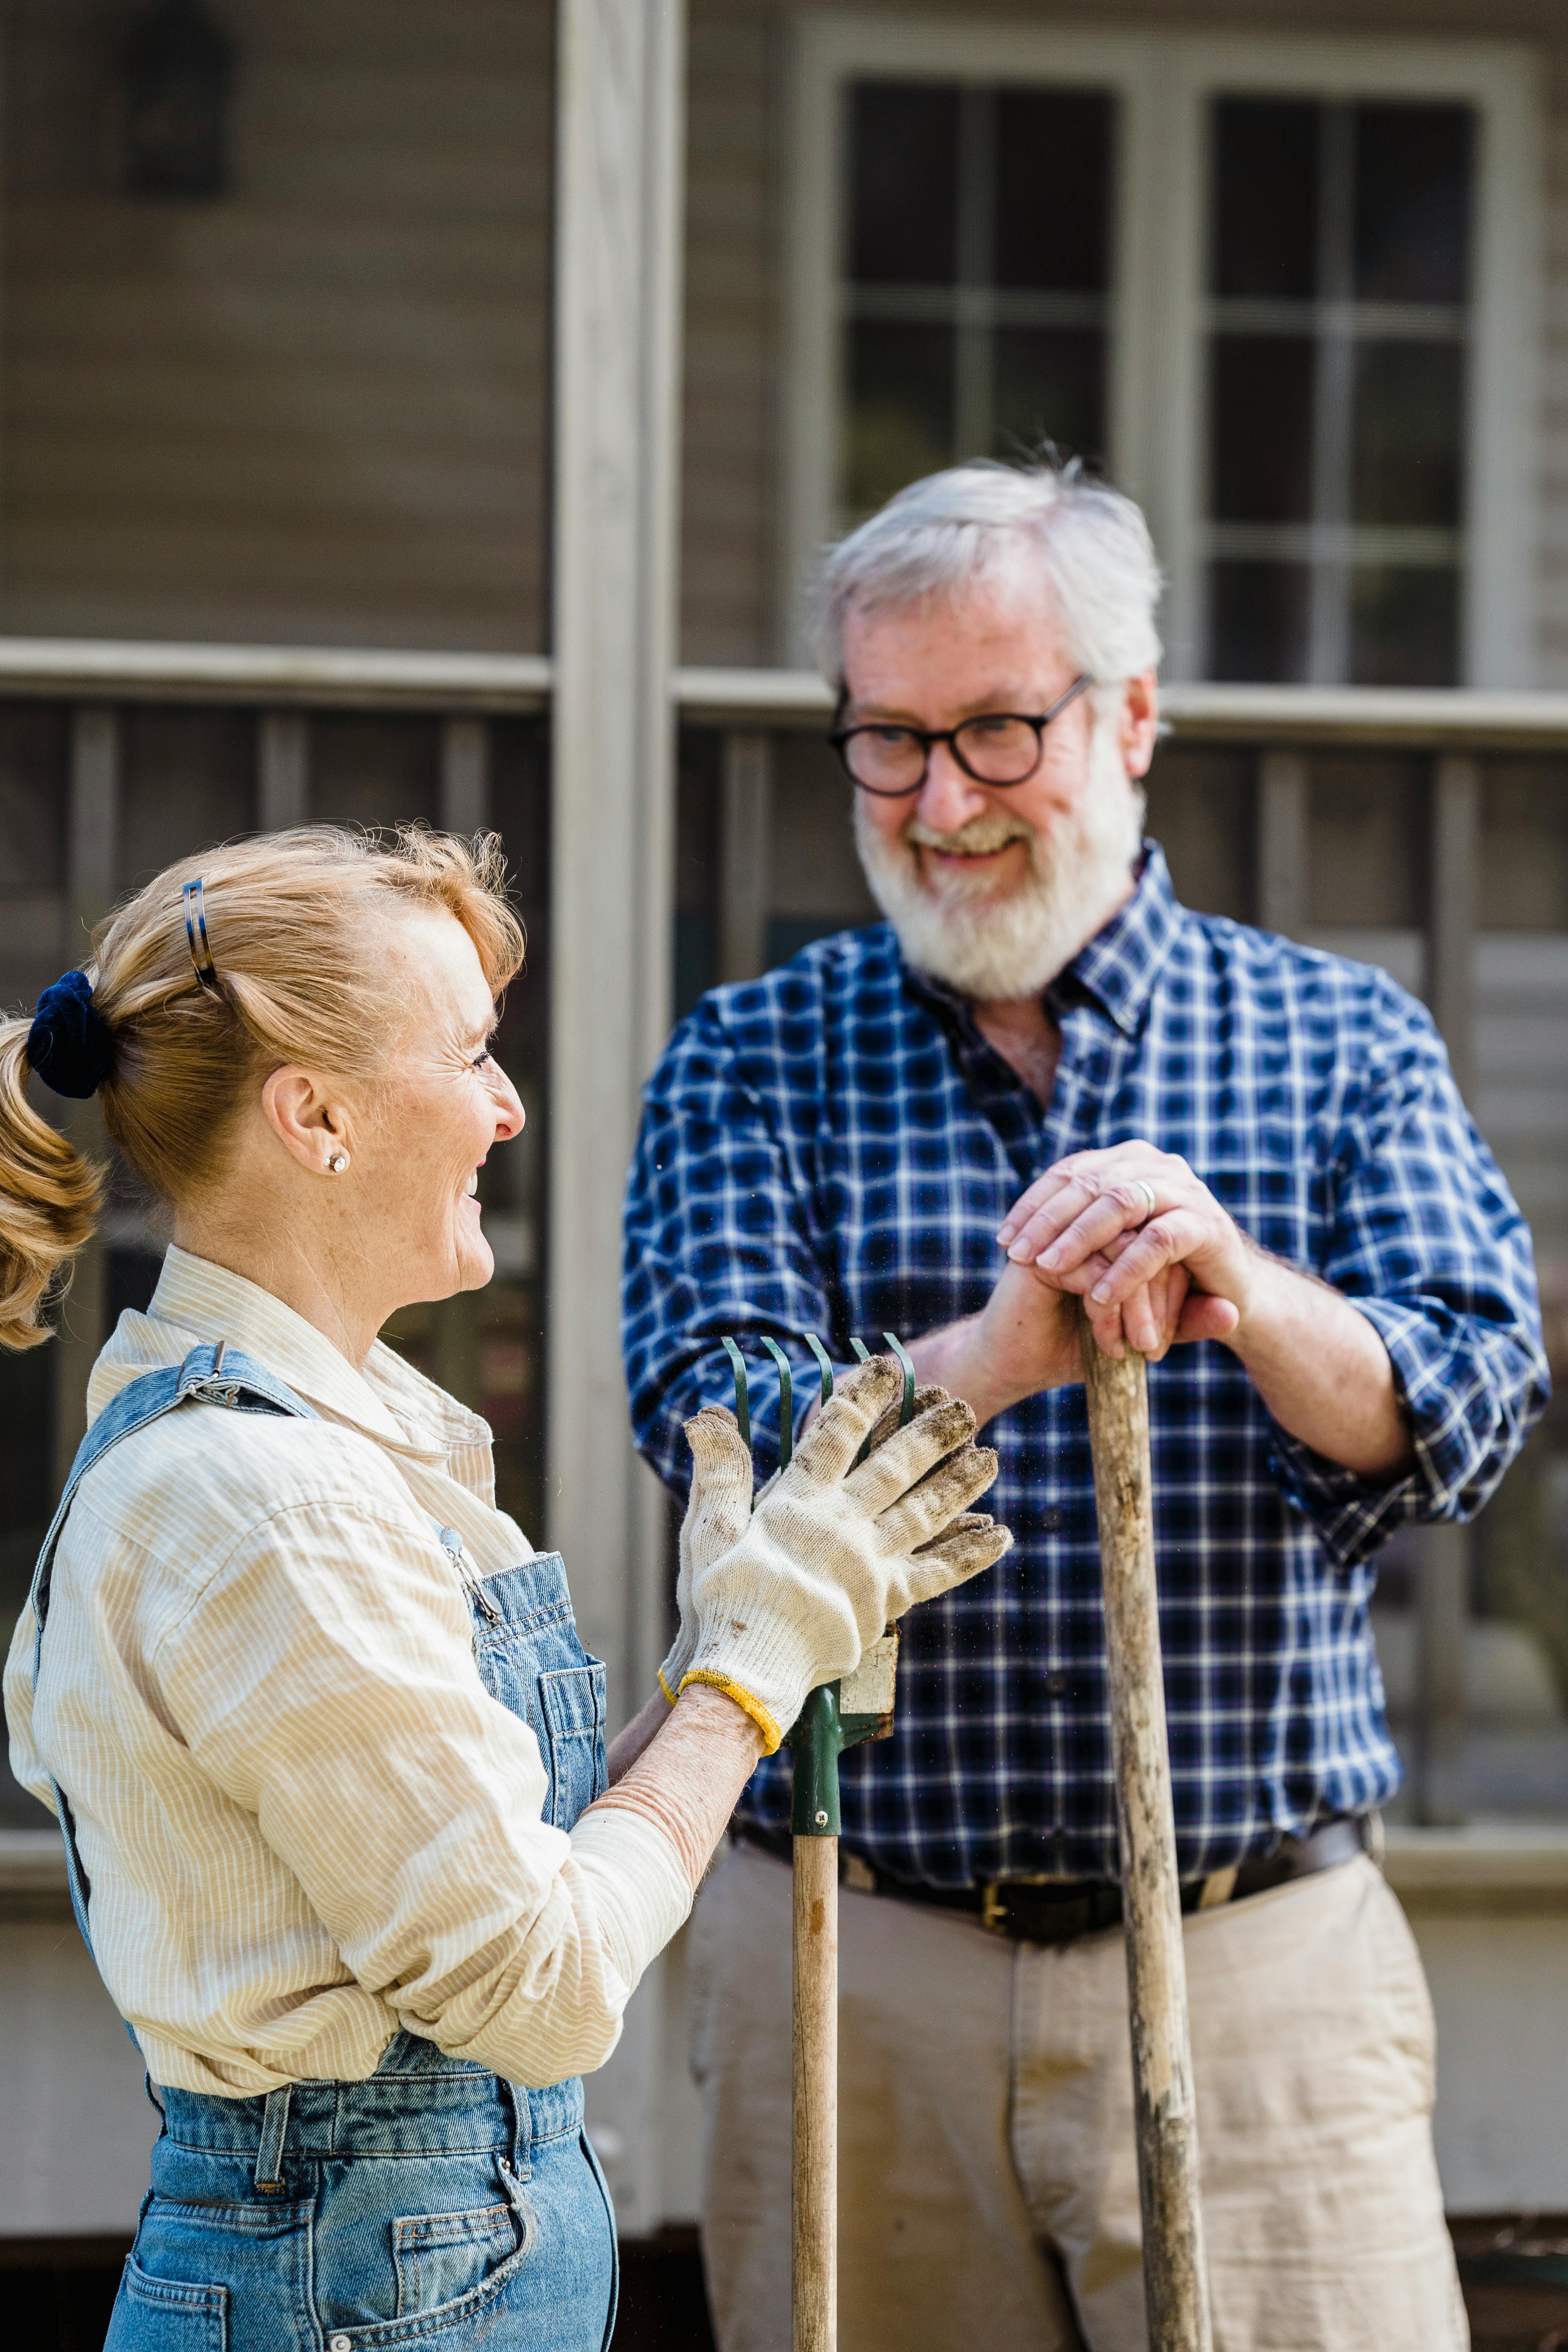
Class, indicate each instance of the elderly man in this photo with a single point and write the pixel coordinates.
(1043, 1079)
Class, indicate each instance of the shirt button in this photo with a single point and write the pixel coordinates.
(1050, 1522)
(1056, 1687)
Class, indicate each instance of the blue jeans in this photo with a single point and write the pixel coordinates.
(430, 2205)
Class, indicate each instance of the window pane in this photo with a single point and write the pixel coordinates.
(900, 420)
(1407, 433)
(1053, 189)
(1266, 199)
(1412, 202)
(1260, 428)
(1049, 386)
(904, 193)
(1258, 622)
(1405, 625)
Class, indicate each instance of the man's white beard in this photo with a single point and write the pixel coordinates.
(997, 945)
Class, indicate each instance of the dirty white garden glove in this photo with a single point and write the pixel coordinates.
(833, 1553)
(717, 1510)
(719, 1505)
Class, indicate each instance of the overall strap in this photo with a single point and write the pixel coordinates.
(211, 1374)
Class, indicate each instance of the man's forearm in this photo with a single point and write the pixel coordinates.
(1318, 1364)
(1323, 1372)
(952, 1359)
(955, 1358)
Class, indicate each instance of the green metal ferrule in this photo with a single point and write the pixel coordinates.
(819, 1736)
(817, 1741)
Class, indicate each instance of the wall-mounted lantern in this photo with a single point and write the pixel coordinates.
(177, 70)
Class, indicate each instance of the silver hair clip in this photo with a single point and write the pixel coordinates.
(196, 933)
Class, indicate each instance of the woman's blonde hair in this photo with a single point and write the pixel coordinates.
(296, 923)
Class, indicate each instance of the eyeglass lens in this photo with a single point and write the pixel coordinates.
(999, 750)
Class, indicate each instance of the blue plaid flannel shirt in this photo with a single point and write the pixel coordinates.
(832, 1146)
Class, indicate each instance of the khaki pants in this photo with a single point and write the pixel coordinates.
(988, 2190)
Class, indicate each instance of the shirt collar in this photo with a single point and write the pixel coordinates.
(1118, 967)
(385, 1398)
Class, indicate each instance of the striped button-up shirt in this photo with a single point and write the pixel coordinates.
(832, 1146)
(304, 1820)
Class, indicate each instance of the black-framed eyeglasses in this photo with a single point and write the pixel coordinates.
(999, 747)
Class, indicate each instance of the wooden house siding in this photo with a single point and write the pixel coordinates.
(313, 409)
(317, 409)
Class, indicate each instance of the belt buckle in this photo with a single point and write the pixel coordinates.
(992, 1908)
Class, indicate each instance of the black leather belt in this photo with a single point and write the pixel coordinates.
(1060, 1910)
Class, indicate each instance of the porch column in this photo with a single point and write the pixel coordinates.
(619, 127)
(93, 825)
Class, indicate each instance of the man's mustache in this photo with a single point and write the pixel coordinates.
(980, 838)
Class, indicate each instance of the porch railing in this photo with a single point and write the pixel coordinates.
(751, 758)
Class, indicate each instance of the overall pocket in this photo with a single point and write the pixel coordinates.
(157, 2315)
(440, 2257)
(205, 2275)
(572, 1701)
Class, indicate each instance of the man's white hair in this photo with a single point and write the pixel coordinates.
(988, 524)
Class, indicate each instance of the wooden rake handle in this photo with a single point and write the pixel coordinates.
(1175, 2278)
(815, 2105)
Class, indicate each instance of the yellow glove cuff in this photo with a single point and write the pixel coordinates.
(669, 1694)
(742, 1698)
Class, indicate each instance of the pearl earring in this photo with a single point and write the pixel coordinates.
(337, 1163)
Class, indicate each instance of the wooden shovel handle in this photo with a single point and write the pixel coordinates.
(1175, 2279)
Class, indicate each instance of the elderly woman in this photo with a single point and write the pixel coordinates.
(326, 1750)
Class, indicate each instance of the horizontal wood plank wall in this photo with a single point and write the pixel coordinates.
(739, 199)
(313, 410)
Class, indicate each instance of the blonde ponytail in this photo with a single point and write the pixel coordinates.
(48, 1199)
(297, 925)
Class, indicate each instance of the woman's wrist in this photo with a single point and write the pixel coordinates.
(705, 1750)
(720, 1718)
(636, 1736)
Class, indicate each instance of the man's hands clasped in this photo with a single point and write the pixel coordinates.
(1143, 1243)
(1133, 1234)
(776, 1601)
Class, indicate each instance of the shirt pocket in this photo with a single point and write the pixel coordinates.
(572, 1702)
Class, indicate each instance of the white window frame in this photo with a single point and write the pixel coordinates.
(1163, 84)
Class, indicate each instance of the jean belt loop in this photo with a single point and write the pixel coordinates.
(274, 2131)
(521, 2129)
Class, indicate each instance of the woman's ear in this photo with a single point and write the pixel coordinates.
(307, 1123)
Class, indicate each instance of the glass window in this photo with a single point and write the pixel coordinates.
(1338, 323)
(977, 269)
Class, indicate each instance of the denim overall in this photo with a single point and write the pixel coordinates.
(432, 2204)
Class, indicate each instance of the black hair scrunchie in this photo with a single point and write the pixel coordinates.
(70, 1044)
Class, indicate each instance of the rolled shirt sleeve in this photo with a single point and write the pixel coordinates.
(1425, 1241)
